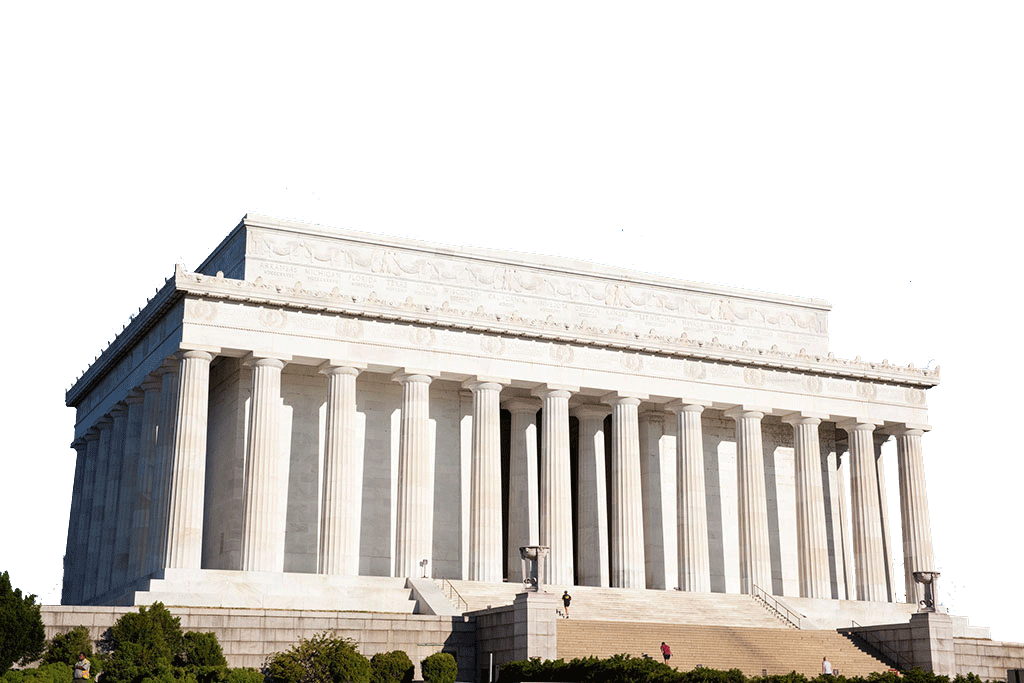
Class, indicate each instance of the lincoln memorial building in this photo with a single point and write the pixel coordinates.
(314, 410)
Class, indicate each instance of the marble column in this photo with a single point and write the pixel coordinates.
(73, 554)
(157, 542)
(651, 427)
(485, 552)
(266, 472)
(556, 485)
(115, 456)
(883, 513)
(342, 503)
(627, 515)
(811, 536)
(845, 556)
(96, 528)
(144, 479)
(90, 525)
(691, 507)
(917, 531)
(415, 506)
(523, 511)
(126, 490)
(592, 504)
(188, 463)
(755, 548)
(868, 549)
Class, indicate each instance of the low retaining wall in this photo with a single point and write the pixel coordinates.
(990, 659)
(249, 636)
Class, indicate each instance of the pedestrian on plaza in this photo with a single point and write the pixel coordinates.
(666, 651)
(566, 599)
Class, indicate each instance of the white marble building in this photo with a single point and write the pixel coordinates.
(317, 404)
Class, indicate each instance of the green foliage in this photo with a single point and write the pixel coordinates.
(439, 667)
(320, 659)
(22, 637)
(391, 667)
(64, 647)
(203, 657)
(47, 673)
(244, 675)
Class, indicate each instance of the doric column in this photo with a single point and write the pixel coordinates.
(342, 504)
(115, 456)
(555, 484)
(811, 536)
(266, 472)
(691, 506)
(868, 550)
(627, 514)
(188, 468)
(144, 480)
(844, 553)
(71, 590)
(523, 511)
(592, 504)
(157, 542)
(88, 527)
(755, 549)
(917, 529)
(883, 513)
(650, 428)
(95, 554)
(126, 490)
(485, 483)
(415, 510)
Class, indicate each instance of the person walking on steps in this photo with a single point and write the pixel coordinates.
(666, 651)
(566, 599)
(826, 667)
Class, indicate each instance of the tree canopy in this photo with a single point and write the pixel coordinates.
(22, 636)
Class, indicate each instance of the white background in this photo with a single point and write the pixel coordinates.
(868, 153)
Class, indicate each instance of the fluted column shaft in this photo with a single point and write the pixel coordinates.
(523, 510)
(266, 473)
(92, 509)
(341, 509)
(96, 528)
(755, 549)
(157, 545)
(556, 486)
(144, 480)
(415, 510)
(188, 469)
(627, 514)
(650, 428)
(72, 586)
(917, 529)
(812, 539)
(485, 484)
(126, 490)
(592, 505)
(115, 456)
(868, 551)
(691, 508)
(883, 513)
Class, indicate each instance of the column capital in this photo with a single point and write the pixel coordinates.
(152, 382)
(414, 375)
(340, 367)
(268, 358)
(522, 404)
(135, 396)
(92, 433)
(556, 390)
(908, 429)
(736, 412)
(199, 354)
(169, 365)
(119, 409)
(624, 397)
(801, 417)
(586, 410)
(212, 350)
(78, 443)
(482, 382)
(858, 424)
(688, 405)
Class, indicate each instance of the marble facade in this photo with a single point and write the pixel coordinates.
(324, 402)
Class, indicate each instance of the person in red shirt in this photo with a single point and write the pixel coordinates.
(666, 651)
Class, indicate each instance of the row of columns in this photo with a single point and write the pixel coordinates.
(141, 485)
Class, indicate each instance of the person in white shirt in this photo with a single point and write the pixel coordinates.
(826, 666)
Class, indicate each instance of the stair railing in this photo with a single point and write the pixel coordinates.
(874, 645)
(453, 595)
(773, 604)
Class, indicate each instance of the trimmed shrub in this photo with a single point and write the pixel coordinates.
(142, 645)
(64, 648)
(320, 659)
(391, 667)
(244, 675)
(202, 657)
(47, 673)
(439, 667)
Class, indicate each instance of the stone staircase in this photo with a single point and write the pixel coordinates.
(777, 650)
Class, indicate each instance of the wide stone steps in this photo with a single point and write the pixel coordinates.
(775, 650)
(616, 604)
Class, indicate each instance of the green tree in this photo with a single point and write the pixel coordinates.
(142, 645)
(22, 637)
(64, 647)
(439, 667)
(391, 667)
(202, 657)
(320, 659)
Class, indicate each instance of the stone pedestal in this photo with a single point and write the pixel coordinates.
(932, 637)
(535, 631)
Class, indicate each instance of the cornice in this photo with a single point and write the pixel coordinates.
(372, 306)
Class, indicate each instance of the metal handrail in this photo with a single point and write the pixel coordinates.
(452, 594)
(879, 646)
(773, 603)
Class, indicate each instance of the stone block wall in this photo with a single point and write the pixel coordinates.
(989, 659)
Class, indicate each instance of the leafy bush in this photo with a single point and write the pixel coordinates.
(47, 673)
(391, 667)
(64, 647)
(22, 637)
(439, 667)
(244, 675)
(203, 657)
(320, 659)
